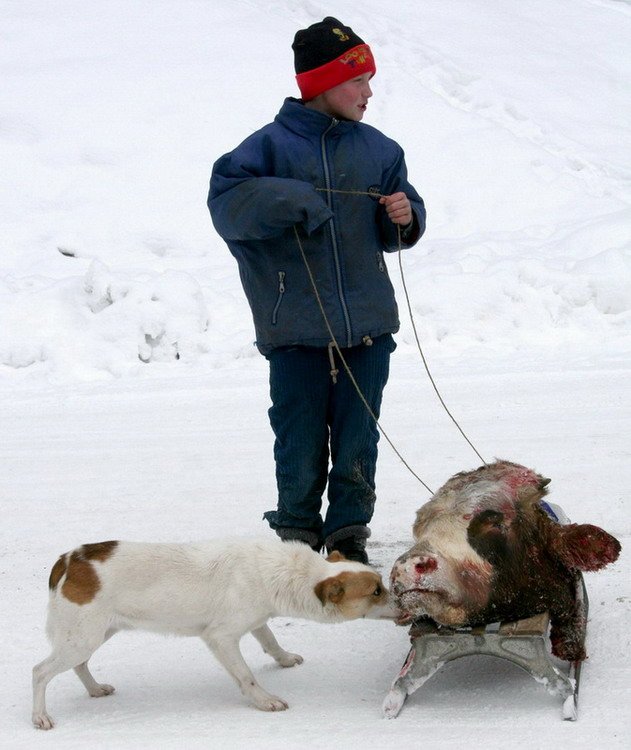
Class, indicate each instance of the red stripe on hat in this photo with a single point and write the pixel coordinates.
(350, 64)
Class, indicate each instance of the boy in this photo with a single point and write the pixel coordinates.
(270, 197)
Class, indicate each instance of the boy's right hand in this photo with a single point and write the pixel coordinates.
(398, 208)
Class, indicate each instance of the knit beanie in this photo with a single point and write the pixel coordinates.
(327, 54)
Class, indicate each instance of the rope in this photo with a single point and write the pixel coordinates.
(427, 370)
(375, 194)
(345, 363)
(370, 193)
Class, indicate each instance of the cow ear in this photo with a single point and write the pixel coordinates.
(586, 547)
(329, 590)
(528, 495)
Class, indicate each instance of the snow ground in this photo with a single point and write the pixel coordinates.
(515, 120)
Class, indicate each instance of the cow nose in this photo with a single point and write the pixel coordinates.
(425, 565)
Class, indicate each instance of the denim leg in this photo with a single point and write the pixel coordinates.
(354, 436)
(299, 389)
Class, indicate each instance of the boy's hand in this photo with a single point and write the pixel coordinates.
(398, 208)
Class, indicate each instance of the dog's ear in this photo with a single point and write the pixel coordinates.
(330, 590)
(335, 556)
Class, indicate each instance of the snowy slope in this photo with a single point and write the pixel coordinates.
(515, 121)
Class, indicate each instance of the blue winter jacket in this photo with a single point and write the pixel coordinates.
(269, 184)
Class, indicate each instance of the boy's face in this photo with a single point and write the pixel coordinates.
(347, 101)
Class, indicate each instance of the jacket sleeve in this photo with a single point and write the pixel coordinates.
(396, 180)
(247, 203)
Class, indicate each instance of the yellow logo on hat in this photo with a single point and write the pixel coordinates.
(341, 35)
(357, 56)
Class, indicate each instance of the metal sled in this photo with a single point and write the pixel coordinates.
(524, 642)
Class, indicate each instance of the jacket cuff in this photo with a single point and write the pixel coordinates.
(411, 233)
(316, 218)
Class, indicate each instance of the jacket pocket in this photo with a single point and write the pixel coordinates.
(279, 299)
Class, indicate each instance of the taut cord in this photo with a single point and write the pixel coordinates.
(335, 344)
(427, 370)
(347, 368)
(409, 305)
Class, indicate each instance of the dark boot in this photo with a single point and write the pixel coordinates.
(300, 535)
(350, 542)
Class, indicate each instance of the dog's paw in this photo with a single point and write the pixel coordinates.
(43, 721)
(271, 703)
(289, 660)
(98, 691)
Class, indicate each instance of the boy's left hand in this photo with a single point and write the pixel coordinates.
(398, 208)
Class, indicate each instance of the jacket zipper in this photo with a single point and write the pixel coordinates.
(281, 292)
(336, 253)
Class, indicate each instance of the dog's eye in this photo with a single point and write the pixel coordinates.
(377, 591)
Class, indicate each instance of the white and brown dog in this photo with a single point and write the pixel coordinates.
(217, 590)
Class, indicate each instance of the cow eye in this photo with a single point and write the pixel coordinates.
(377, 591)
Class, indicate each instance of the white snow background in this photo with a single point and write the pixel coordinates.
(515, 116)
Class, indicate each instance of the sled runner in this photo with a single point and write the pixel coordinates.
(524, 643)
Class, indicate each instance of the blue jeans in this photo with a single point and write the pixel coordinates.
(315, 419)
